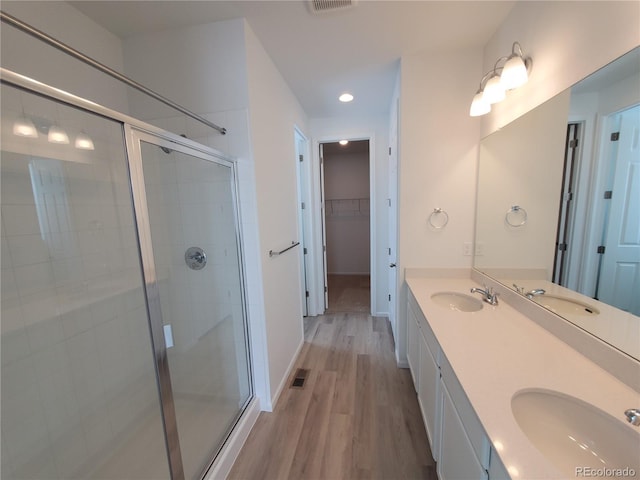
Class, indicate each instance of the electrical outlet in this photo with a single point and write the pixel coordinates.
(467, 249)
(479, 249)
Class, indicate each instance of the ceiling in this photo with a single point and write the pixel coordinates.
(323, 55)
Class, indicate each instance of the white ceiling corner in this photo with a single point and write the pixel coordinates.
(320, 56)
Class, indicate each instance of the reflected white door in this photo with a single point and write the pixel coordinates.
(619, 281)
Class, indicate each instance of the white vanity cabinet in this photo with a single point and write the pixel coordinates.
(423, 362)
(464, 447)
(458, 441)
(413, 346)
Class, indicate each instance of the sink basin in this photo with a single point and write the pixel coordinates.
(564, 305)
(571, 433)
(457, 301)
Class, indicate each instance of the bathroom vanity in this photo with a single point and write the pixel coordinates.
(502, 397)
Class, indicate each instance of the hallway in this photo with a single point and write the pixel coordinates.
(356, 416)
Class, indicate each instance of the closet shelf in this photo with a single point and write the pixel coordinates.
(347, 207)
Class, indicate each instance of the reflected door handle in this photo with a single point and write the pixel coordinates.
(392, 265)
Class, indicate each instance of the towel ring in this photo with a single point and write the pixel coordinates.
(437, 213)
(516, 216)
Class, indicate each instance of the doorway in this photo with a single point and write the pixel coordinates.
(347, 226)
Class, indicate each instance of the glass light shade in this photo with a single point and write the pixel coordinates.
(57, 135)
(479, 106)
(23, 127)
(84, 142)
(493, 91)
(514, 74)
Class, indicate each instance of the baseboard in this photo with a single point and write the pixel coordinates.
(283, 382)
(229, 453)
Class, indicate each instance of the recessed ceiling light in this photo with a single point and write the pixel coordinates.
(343, 142)
(345, 97)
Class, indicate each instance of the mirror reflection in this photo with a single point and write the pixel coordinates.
(558, 207)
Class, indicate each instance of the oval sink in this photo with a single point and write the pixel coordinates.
(565, 306)
(573, 434)
(457, 301)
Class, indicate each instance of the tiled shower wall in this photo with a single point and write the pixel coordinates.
(77, 365)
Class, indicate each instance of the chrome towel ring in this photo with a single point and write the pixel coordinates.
(516, 216)
(438, 218)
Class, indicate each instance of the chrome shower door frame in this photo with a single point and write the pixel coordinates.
(134, 136)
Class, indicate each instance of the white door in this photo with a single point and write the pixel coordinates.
(619, 281)
(324, 229)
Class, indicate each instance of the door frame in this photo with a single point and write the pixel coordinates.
(318, 218)
(305, 230)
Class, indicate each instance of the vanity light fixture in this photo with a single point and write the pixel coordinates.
(345, 97)
(23, 127)
(57, 135)
(513, 73)
(84, 142)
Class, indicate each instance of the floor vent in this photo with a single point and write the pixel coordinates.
(326, 6)
(301, 376)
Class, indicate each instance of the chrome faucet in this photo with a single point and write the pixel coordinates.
(487, 294)
(534, 292)
(633, 416)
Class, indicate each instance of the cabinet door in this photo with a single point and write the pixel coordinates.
(428, 394)
(458, 460)
(413, 335)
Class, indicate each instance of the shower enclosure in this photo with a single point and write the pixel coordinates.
(124, 338)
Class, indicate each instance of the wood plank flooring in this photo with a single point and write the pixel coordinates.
(356, 417)
(349, 293)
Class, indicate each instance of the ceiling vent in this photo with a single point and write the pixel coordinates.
(326, 6)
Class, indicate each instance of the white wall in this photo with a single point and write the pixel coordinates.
(437, 164)
(566, 40)
(375, 128)
(346, 187)
(274, 115)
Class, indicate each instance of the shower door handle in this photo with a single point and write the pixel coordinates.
(195, 258)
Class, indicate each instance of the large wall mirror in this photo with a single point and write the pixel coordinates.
(558, 207)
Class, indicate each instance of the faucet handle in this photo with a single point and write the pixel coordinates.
(633, 416)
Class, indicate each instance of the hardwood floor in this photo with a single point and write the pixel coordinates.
(349, 293)
(356, 417)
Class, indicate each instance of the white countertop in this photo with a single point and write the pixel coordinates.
(498, 351)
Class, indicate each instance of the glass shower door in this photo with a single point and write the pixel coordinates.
(195, 273)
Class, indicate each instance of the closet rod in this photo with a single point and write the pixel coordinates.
(34, 32)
